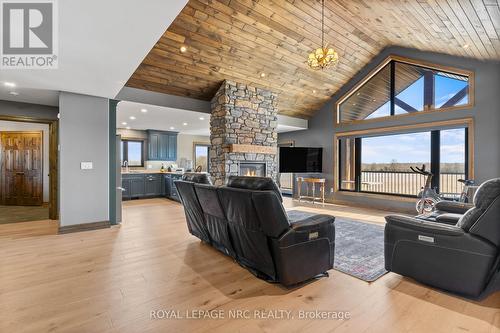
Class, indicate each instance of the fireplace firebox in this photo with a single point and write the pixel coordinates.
(253, 169)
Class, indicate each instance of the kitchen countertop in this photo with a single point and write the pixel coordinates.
(148, 172)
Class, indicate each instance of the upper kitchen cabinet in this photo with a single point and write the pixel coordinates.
(172, 148)
(162, 146)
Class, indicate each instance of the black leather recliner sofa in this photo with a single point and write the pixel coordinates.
(246, 220)
(462, 258)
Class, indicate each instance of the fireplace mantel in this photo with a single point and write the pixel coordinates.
(255, 149)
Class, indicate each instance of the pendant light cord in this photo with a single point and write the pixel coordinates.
(323, 23)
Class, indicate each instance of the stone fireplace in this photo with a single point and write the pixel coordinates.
(243, 132)
(253, 169)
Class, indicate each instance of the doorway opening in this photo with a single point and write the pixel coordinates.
(28, 169)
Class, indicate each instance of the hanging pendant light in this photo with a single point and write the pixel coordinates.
(323, 56)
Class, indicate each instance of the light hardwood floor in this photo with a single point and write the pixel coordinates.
(109, 280)
(15, 214)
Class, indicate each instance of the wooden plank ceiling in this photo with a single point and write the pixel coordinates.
(241, 39)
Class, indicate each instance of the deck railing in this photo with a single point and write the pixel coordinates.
(407, 183)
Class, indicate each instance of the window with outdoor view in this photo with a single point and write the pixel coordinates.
(132, 152)
(381, 163)
(402, 88)
(201, 157)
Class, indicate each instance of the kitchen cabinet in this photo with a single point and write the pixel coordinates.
(152, 185)
(153, 146)
(136, 186)
(149, 185)
(162, 146)
(126, 188)
(172, 148)
(170, 189)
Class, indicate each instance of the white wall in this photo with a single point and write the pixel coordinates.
(20, 126)
(83, 136)
(185, 145)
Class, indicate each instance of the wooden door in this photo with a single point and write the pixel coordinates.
(22, 171)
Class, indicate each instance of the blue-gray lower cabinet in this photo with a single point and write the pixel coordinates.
(126, 188)
(134, 187)
(139, 186)
(170, 189)
(152, 185)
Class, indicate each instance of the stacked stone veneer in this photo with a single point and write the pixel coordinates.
(241, 114)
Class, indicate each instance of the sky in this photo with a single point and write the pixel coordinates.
(444, 89)
(415, 147)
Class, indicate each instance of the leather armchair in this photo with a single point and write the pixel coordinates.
(453, 207)
(461, 258)
(448, 212)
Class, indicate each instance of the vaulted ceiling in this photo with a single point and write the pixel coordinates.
(265, 43)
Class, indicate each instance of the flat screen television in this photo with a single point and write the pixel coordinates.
(300, 160)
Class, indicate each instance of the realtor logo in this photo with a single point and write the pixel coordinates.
(29, 34)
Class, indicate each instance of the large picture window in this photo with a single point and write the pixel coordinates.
(375, 163)
(403, 87)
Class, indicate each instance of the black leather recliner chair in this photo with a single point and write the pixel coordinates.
(462, 258)
(246, 220)
(448, 212)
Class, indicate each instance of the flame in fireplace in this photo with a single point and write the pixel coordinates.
(251, 173)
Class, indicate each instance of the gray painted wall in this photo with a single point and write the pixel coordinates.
(160, 99)
(83, 130)
(486, 113)
(28, 110)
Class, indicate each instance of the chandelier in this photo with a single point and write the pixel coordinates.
(323, 56)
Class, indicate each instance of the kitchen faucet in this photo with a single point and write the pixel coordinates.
(125, 164)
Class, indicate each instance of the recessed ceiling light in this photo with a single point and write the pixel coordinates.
(128, 127)
(184, 124)
(202, 118)
(466, 46)
(131, 118)
(172, 127)
(124, 123)
(144, 110)
(314, 91)
(9, 84)
(183, 49)
(358, 94)
(354, 104)
(262, 74)
(13, 93)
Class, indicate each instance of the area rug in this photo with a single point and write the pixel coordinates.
(359, 247)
